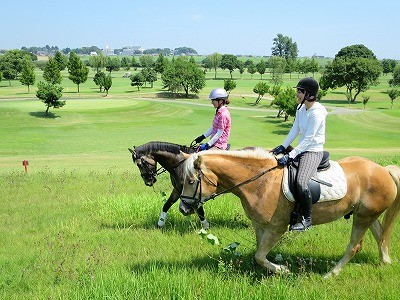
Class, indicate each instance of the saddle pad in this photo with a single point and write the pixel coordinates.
(334, 175)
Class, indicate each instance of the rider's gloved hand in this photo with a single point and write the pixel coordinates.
(199, 139)
(284, 160)
(278, 150)
(203, 147)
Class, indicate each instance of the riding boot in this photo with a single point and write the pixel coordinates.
(305, 201)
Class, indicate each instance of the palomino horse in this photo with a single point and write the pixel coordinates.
(170, 157)
(256, 179)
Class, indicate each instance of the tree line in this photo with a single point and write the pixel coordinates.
(354, 67)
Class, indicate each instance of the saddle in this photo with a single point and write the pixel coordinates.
(329, 184)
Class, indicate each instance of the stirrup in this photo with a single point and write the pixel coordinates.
(303, 225)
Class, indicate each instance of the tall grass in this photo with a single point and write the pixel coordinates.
(70, 235)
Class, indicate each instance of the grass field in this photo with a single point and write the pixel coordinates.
(82, 225)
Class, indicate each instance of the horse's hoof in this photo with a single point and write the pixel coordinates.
(205, 225)
(282, 270)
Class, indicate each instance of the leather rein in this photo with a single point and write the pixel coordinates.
(199, 201)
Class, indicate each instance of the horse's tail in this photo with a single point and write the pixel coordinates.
(393, 211)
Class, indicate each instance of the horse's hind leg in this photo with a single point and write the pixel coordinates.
(377, 230)
(355, 244)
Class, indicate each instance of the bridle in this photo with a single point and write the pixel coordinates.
(149, 167)
(196, 202)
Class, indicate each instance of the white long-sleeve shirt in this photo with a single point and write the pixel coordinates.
(310, 124)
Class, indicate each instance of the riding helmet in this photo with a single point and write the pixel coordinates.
(310, 85)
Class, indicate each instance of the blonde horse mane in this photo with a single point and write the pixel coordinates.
(254, 153)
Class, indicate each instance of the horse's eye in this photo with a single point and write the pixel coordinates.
(191, 182)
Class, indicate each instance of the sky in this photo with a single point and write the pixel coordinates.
(319, 27)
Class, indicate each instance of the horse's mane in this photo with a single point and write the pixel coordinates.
(253, 153)
(162, 146)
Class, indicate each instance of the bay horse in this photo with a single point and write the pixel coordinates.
(170, 157)
(255, 177)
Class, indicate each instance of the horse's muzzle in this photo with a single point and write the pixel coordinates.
(185, 209)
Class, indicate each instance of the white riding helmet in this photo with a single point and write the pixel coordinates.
(218, 93)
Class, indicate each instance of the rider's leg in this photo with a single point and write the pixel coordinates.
(308, 164)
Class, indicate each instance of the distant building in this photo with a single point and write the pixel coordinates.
(93, 53)
(132, 50)
(108, 51)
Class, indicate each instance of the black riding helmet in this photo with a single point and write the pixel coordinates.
(310, 85)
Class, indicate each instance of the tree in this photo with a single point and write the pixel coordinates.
(388, 65)
(99, 79)
(215, 61)
(161, 63)
(11, 64)
(97, 62)
(393, 94)
(107, 83)
(286, 102)
(395, 81)
(149, 75)
(354, 67)
(126, 63)
(61, 60)
(146, 61)
(112, 64)
(229, 85)
(251, 68)
(240, 67)
(365, 99)
(284, 47)
(230, 62)
(183, 74)
(261, 67)
(261, 89)
(28, 72)
(51, 72)
(277, 66)
(137, 80)
(78, 72)
(50, 94)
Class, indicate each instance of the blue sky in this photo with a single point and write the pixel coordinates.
(232, 27)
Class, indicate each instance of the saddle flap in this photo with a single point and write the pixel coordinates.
(334, 175)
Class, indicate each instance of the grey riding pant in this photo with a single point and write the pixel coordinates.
(308, 164)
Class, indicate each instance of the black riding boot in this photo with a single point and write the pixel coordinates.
(305, 201)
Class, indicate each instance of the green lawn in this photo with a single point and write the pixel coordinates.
(81, 223)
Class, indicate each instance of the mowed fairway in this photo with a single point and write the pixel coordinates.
(82, 225)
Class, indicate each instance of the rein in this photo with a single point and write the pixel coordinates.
(214, 195)
(241, 183)
(160, 170)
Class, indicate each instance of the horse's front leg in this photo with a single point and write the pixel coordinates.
(266, 239)
(173, 197)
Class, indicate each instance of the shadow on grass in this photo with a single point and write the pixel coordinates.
(169, 95)
(42, 114)
(227, 264)
(177, 225)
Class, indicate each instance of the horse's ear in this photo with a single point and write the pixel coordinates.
(185, 155)
(197, 163)
(133, 151)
